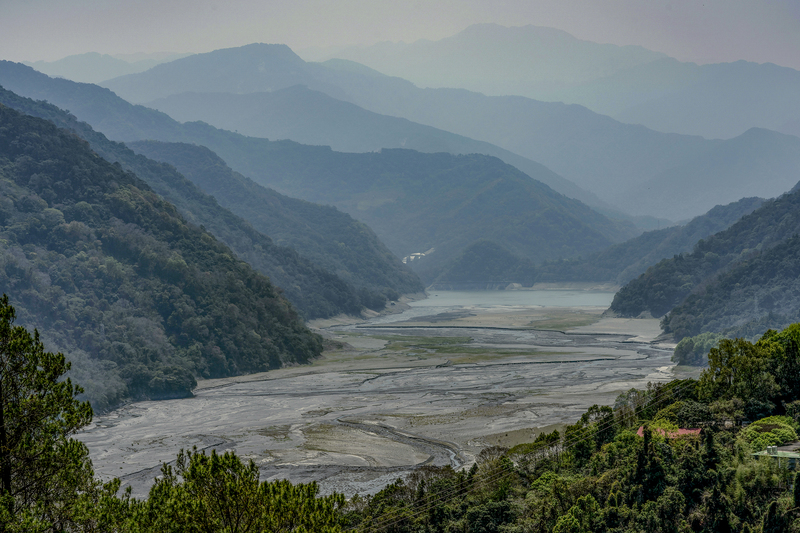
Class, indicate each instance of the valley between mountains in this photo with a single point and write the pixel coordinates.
(401, 391)
(507, 281)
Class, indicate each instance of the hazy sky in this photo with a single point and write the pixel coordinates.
(710, 31)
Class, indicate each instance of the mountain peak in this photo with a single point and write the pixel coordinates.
(499, 31)
(274, 50)
(256, 67)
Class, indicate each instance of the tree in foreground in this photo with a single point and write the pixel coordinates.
(42, 470)
(221, 494)
(47, 483)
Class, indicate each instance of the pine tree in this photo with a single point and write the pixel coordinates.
(213, 493)
(41, 468)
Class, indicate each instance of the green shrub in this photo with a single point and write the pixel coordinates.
(770, 431)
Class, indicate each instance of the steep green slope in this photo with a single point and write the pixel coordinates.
(485, 265)
(115, 277)
(322, 233)
(625, 261)
(758, 294)
(313, 290)
(667, 284)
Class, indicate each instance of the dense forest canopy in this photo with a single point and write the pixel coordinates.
(140, 300)
(312, 287)
(740, 281)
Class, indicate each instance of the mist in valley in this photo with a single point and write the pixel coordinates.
(435, 266)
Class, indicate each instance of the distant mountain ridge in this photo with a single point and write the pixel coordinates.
(270, 67)
(93, 67)
(523, 215)
(743, 165)
(532, 61)
(312, 117)
(631, 84)
(597, 153)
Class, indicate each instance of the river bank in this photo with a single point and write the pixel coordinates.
(433, 384)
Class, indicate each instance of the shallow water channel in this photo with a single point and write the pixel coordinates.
(433, 384)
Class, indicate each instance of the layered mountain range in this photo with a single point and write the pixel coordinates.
(630, 83)
(413, 201)
(617, 162)
(317, 289)
(323, 175)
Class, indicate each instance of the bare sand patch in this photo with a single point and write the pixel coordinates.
(370, 448)
(639, 329)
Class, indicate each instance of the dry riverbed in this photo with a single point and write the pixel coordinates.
(386, 398)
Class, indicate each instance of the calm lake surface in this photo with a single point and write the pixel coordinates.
(448, 301)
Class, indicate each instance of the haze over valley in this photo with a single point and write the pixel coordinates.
(492, 268)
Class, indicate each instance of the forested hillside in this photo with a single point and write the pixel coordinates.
(757, 294)
(440, 195)
(416, 202)
(625, 261)
(485, 265)
(753, 258)
(311, 285)
(330, 238)
(114, 276)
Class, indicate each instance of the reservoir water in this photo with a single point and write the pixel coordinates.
(500, 301)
